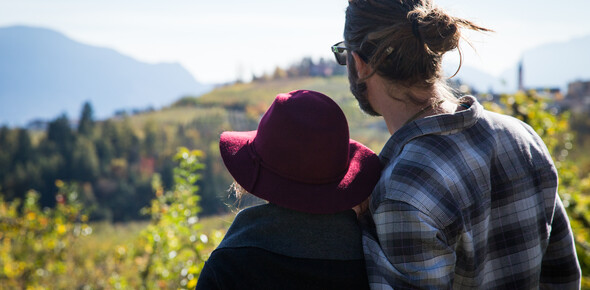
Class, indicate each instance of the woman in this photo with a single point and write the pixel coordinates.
(303, 163)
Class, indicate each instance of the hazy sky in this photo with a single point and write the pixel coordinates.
(218, 41)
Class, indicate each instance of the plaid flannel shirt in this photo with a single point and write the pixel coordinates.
(469, 200)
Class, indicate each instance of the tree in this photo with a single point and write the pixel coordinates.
(172, 245)
(86, 124)
(61, 136)
(5, 161)
(4, 138)
(59, 131)
(85, 161)
(24, 151)
(151, 138)
(7, 148)
(279, 73)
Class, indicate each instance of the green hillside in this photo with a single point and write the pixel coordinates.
(111, 166)
(197, 122)
(253, 99)
(115, 159)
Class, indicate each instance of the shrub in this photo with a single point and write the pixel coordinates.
(35, 243)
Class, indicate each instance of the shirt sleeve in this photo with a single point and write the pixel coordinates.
(413, 250)
(560, 268)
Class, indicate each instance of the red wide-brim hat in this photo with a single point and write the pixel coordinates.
(301, 156)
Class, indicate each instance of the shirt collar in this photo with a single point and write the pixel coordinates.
(443, 124)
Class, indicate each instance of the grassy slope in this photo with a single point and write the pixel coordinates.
(255, 98)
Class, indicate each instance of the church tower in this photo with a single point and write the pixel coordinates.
(520, 77)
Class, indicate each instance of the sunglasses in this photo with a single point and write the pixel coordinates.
(339, 51)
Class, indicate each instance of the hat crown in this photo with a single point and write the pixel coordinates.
(301, 156)
(304, 137)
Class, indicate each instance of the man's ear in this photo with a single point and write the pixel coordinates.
(362, 68)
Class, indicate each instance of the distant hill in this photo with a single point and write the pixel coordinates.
(553, 64)
(477, 79)
(43, 74)
(251, 100)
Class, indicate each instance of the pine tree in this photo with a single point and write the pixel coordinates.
(24, 149)
(86, 125)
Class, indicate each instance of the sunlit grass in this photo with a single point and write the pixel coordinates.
(107, 235)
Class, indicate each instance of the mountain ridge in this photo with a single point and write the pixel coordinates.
(45, 73)
(550, 65)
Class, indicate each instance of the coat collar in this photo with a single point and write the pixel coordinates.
(296, 234)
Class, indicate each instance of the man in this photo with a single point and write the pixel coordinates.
(468, 198)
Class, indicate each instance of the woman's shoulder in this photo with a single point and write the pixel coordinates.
(287, 232)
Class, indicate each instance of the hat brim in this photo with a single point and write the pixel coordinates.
(353, 188)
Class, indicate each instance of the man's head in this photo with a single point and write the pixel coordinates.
(358, 88)
(401, 40)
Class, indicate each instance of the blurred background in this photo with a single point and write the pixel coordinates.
(189, 46)
(110, 114)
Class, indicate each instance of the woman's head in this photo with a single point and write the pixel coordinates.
(301, 156)
(403, 40)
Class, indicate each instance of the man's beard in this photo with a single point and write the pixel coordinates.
(359, 89)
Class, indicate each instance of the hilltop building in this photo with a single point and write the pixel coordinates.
(578, 97)
(548, 93)
(543, 92)
(520, 77)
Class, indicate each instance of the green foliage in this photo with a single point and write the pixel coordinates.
(56, 248)
(35, 242)
(86, 125)
(171, 245)
(123, 160)
(253, 99)
(574, 187)
(117, 157)
(85, 161)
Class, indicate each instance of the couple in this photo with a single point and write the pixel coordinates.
(459, 197)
